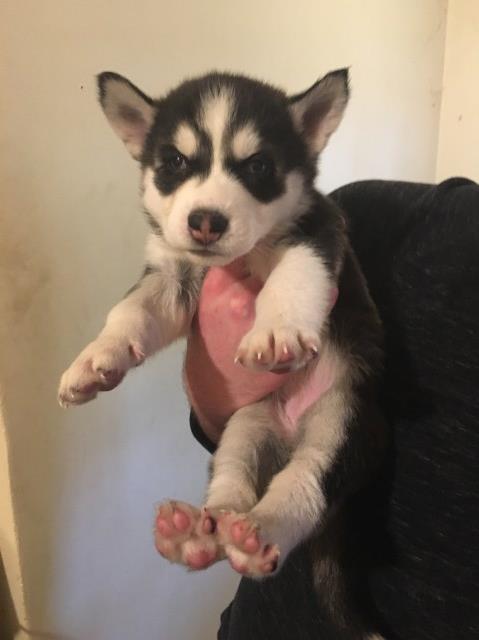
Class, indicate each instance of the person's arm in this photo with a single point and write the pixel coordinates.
(216, 386)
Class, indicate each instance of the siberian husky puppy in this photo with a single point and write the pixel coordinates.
(227, 169)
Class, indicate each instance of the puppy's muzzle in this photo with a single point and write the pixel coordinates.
(206, 226)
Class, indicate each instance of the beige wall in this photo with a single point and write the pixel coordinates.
(84, 482)
(458, 149)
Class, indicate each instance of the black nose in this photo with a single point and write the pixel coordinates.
(207, 225)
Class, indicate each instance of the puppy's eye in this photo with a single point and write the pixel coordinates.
(175, 161)
(259, 165)
(178, 161)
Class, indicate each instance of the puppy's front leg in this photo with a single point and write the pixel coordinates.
(154, 313)
(290, 310)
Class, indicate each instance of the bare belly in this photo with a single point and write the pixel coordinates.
(303, 389)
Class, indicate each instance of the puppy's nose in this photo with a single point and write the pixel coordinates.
(206, 225)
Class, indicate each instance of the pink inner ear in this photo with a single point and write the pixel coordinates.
(314, 115)
(130, 115)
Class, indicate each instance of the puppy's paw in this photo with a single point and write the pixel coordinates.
(187, 535)
(101, 366)
(282, 348)
(247, 549)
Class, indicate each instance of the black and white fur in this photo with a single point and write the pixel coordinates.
(241, 155)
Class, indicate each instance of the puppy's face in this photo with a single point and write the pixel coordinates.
(224, 158)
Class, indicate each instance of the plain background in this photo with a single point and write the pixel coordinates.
(78, 488)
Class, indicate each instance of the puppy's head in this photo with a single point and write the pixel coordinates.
(224, 158)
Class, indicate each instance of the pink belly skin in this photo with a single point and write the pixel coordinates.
(297, 396)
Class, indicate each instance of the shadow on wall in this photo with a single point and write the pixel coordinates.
(8, 618)
(28, 354)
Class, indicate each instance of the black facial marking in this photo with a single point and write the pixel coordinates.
(262, 106)
(282, 150)
(173, 168)
(259, 165)
(259, 175)
(174, 161)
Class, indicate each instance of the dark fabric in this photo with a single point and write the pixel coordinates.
(419, 248)
(200, 435)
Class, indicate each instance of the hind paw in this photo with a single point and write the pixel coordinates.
(187, 535)
(248, 552)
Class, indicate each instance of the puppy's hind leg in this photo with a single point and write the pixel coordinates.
(248, 454)
(295, 502)
(186, 535)
(242, 465)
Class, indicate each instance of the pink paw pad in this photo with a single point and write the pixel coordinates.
(200, 559)
(286, 355)
(240, 567)
(239, 529)
(186, 535)
(245, 536)
(164, 527)
(181, 520)
(164, 547)
(171, 520)
(246, 552)
(251, 544)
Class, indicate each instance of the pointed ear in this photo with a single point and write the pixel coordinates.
(129, 111)
(318, 111)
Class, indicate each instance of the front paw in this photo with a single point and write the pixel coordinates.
(100, 367)
(282, 348)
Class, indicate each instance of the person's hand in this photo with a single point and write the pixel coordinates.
(216, 386)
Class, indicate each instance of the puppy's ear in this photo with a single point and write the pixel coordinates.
(318, 111)
(129, 111)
